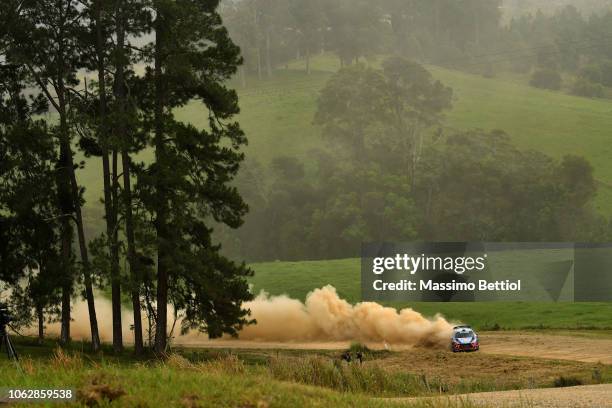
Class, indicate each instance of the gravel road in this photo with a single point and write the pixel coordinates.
(585, 396)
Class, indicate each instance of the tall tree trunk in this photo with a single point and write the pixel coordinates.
(131, 253)
(111, 236)
(66, 237)
(75, 198)
(308, 61)
(41, 324)
(161, 210)
(109, 204)
(256, 21)
(64, 201)
(71, 183)
(259, 69)
(268, 54)
(91, 307)
(243, 76)
(115, 273)
(121, 98)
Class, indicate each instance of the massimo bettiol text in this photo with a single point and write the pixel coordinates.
(481, 271)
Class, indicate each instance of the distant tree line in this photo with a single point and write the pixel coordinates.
(391, 172)
(566, 42)
(470, 35)
(273, 32)
(107, 96)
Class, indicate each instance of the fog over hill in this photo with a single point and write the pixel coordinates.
(514, 8)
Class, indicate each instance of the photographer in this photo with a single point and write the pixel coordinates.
(5, 318)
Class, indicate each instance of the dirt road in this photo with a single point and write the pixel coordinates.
(586, 396)
(528, 344)
(551, 346)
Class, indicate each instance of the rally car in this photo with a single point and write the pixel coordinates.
(464, 339)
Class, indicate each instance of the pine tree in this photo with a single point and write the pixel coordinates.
(32, 264)
(187, 186)
(43, 37)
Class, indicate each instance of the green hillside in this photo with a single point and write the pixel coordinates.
(277, 116)
(296, 279)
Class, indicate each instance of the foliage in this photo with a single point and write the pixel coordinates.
(467, 185)
(30, 257)
(177, 197)
(564, 381)
(586, 88)
(187, 186)
(546, 79)
(475, 184)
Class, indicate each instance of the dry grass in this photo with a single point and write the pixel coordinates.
(226, 364)
(65, 360)
(370, 378)
(100, 389)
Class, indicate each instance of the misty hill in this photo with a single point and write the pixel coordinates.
(277, 116)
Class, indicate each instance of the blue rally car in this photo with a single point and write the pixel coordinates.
(464, 339)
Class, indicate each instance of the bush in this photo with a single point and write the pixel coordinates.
(567, 381)
(546, 79)
(588, 89)
(606, 73)
(358, 347)
(591, 73)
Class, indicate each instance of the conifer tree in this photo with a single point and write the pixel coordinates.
(187, 187)
(43, 37)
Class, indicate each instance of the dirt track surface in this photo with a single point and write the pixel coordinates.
(557, 347)
(587, 396)
(549, 346)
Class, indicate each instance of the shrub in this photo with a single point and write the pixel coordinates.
(546, 79)
(588, 89)
(597, 375)
(567, 381)
(356, 347)
(606, 73)
(591, 73)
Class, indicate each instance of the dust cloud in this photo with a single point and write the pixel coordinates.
(80, 328)
(326, 317)
(323, 317)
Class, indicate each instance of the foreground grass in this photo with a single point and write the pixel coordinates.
(225, 381)
(158, 385)
(297, 279)
(280, 378)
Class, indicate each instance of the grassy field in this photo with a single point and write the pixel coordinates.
(280, 378)
(296, 279)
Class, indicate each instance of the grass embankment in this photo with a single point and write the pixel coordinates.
(279, 378)
(296, 279)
